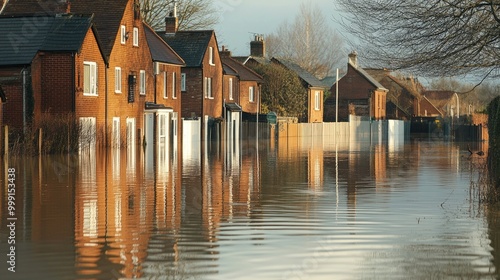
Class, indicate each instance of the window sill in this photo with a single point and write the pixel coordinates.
(118, 91)
(211, 64)
(90, 95)
(142, 94)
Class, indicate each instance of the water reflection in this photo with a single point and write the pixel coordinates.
(270, 210)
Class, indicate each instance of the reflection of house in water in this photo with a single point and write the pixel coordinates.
(112, 214)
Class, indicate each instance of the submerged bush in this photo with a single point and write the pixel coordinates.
(60, 134)
(494, 142)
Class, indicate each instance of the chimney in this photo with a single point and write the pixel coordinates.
(225, 52)
(353, 58)
(258, 47)
(64, 7)
(171, 22)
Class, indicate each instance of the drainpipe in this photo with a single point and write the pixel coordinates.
(24, 74)
(106, 105)
(73, 73)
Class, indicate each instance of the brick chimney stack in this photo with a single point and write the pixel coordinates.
(172, 22)
(353, 58)
(258, 47)
(225, 52)
(63, 7)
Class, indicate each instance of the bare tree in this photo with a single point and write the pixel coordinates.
(192, 14)
(309, 41)
(430, 37)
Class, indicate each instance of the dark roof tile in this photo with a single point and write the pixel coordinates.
(245, 73)
(53, 33)
(161, 51)
(190, 45)
(303, 74)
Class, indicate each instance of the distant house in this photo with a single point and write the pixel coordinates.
(404, 94)
(51, 71)
(314, 87)
(359, 94)
(249, 83)
(447, 103)
(201, 76)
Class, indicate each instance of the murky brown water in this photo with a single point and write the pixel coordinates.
(296, 210)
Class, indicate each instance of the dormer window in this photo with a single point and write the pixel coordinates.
(123, 35)
(211, 56)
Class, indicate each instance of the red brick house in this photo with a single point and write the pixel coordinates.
(128, 92)
(201, 84)
(314, 87)
(249, 83)
(57, 73)
(359, 94)
(446, 102)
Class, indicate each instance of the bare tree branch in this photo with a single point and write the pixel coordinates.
(429, 37)
(192, 14)
(309, 41)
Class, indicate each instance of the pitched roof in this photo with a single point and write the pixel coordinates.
(57, 33)
(303, 74)
(190, 45)
(161, 51)
(245, 73)
(367, 76)
(439, 98)
(107, 14)
(228, 70)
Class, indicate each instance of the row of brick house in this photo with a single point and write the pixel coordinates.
(124, 82)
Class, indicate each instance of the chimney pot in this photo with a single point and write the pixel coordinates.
(353, 58)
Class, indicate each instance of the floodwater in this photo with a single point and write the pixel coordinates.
(296, 209)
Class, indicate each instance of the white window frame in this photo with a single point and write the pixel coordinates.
(92, 87)
(118, 80)
(183, 81)
(251, 94)
(135, 37)
(142, 82)
(317, 100)
(211, 56)
(165, 91)
(208, 88)
(230, 88)
(123, 34)
(174, 94)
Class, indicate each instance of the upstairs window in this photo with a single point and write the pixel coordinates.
(183, 81)
(211, 56)
(317, 101)
(90, 78)
(136, 37)
(251, 94)
(174, 94)
(165, 91)
(142, 82)
(123, 34)
(118, 80)
(230, 88)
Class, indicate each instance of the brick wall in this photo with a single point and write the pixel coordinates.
(131, 60)
(225, 89)
(313, 114)
(213, 106)
(192, 98)
(12, 86)
(246, 105)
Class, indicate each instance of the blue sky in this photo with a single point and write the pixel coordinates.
(239, 19)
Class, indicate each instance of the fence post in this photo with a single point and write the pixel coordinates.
(40, 141)
(6, 141)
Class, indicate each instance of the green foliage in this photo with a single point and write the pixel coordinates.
(282, 91)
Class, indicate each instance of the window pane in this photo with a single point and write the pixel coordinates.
(86, 78)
